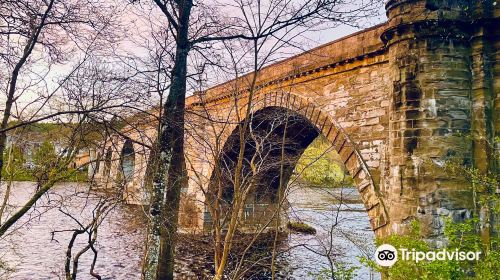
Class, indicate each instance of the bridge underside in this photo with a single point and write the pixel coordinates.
(276, 138)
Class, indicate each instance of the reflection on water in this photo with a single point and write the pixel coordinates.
(36, 253)
(343, 232)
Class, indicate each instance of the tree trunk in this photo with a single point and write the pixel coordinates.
(170, 174)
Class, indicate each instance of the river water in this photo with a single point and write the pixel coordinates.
(36, 249)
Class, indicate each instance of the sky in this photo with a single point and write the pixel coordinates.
(312, 39)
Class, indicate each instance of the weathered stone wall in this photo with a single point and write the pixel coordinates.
(440, 95)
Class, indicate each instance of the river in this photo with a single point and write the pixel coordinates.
(34, 252)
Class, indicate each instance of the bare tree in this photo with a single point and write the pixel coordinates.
(102, 208)
(51, 57)
(36, 36)
(255, 22)
(266, 173)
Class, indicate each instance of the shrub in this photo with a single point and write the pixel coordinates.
(319, 165)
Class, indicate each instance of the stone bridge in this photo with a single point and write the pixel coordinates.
(394, 100)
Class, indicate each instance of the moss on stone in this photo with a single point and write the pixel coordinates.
(301, 227)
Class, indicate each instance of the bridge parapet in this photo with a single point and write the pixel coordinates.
(355, 47)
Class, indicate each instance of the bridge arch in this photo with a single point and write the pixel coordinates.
(127, 160)
(313, 120)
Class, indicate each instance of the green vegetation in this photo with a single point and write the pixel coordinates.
(301, 227)
(44, 164)
(14, 165)
(320, 165)
(44, 161)
(39, 127)
(462, 236)
(340, 272)
(59, 132)
(476, 235)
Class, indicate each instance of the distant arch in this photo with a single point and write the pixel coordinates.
(127, 160)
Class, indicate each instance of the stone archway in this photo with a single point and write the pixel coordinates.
(127, 161)
(312, 121)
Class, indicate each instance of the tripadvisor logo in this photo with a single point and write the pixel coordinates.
(386, 255)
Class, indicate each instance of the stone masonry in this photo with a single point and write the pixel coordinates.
(394, 100)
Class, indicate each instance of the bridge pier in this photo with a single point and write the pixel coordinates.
(436, 102)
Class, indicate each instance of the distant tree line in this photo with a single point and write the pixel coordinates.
(17, 167)
(322, 166)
